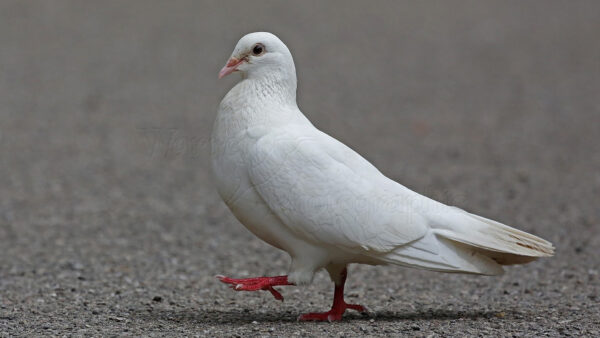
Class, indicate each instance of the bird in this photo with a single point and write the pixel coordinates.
(308, 194)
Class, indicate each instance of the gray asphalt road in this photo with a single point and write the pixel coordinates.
(109, 222)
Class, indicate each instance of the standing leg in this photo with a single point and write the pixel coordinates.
(339, 305)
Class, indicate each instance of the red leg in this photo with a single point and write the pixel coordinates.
(339, 305)
(257, 283)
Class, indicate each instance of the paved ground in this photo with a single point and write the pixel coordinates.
(109, 222)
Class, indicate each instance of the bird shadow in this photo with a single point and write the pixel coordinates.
(246, 316)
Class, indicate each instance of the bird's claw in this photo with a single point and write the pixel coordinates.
(251, 284)
(335, 314)
(275, 293)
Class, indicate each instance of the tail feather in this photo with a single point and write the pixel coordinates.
(540, 247)
(462, 242)
(504, 244)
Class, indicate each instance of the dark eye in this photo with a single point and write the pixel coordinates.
(258, 49)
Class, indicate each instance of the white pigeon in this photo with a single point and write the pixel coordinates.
(306, 193)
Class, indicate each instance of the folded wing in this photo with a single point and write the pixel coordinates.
(324, 200)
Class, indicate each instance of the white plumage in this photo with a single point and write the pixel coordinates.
(305, 192)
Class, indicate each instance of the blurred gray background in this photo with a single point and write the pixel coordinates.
(109, 222)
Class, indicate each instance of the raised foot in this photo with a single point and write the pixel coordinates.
(257, 283)
(332, 315)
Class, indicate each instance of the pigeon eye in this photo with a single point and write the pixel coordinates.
(258, 49)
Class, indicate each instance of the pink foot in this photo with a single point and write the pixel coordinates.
(339, 305)
(267, 283)
(257, 283)
(332, 315)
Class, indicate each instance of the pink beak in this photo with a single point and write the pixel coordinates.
(230, 67)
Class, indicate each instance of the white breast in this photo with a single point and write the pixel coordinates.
(237, 128)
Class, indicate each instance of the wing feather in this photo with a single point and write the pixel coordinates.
(305, 180)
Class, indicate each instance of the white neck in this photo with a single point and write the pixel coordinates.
(267, 98)
(273, 84)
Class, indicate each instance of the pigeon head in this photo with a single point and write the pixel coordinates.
(261, 55)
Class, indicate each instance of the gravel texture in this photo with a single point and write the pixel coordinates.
(109, 221)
